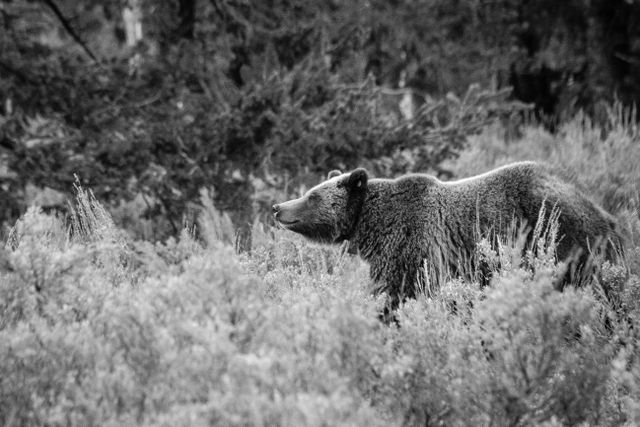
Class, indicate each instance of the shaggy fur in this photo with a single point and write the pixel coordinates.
(402, 226)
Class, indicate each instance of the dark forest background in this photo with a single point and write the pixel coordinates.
(147, 103)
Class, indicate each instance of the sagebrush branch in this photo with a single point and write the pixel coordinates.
(69, 29)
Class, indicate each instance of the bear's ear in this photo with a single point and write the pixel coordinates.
(333, 173)
(358, 179)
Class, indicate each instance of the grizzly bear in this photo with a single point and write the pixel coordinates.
(406, 226)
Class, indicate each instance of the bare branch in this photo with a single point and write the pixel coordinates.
(65, 23)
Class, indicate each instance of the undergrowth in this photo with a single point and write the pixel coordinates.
(99, 329)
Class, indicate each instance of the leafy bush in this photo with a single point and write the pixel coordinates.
(274, 136)
(100, 329)
(254, 110)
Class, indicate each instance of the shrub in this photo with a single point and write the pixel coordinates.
(98, 329)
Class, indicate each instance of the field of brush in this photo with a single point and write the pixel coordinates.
(98, 329)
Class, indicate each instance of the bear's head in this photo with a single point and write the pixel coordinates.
(328, 212)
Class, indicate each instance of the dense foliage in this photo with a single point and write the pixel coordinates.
(99, 329)
(255, 99)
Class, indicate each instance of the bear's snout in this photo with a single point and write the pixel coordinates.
(289, 212)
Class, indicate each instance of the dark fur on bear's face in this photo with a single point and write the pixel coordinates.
(327, 213)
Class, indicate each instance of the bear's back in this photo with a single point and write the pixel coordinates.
(519, 191)
(491, 200)
(494, 199)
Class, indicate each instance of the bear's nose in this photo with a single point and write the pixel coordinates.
(275, 209)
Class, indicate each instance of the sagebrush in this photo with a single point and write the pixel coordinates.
(99, 329)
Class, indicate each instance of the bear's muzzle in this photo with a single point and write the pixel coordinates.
(290, 212)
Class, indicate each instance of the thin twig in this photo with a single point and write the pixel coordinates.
(65, 23)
